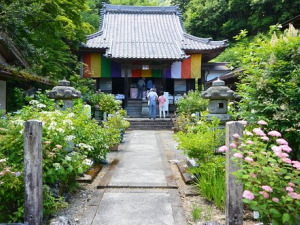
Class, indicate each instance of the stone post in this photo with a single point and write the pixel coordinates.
(234, 190)
(33, 213)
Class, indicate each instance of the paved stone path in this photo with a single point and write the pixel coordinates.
(138, 189)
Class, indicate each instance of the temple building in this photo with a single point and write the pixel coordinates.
(148, 42)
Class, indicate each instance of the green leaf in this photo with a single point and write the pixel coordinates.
(286, 217)
(80, 170)
(275, 212)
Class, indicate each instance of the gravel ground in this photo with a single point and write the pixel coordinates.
(191, 202)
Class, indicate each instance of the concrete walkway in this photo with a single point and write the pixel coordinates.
(138, 188)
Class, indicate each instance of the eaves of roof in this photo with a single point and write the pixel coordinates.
(7, 72)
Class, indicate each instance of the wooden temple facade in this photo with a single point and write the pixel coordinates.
(150, 42)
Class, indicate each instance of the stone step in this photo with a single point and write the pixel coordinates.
(147, 124)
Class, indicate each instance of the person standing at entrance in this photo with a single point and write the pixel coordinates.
(141, 85)
(152, 99)
(149, 84)
(162, 101)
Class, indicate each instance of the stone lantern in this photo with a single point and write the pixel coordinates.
(64, 94)
(218, 95)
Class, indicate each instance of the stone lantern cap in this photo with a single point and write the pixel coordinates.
(64, 91)
(218, 90)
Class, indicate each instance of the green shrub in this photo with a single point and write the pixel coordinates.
(72, 142)
(270, 86)
(191, 103)
(201, 140)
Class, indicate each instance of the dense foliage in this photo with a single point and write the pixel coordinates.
(46, 31)
(223, 19)
(199, 140)
(270, 86)
(270, 178)
(72, 142)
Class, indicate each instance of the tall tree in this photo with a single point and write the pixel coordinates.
(225, 18)
(46, 30)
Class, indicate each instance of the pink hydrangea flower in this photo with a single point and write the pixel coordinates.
(248, 159)
(297, 166)
(58, 146)
(248, 195)
(236, 136)
(294, 195)
(285, 148)
(232, 145)
(244, 122)
(276, 149)
(275, 199)
(223, 149)
(47, 142)
(284, 155)
(264, 138)
(291, 184)
(262, 122)
(267, 188)
(281, 141)
(253, 175)
(274, 133)
(248, 133)
(250, 153)
(249, 142)
(238, 155)
(289, 189)
(265, 194)
(259, 132)
(287, 160)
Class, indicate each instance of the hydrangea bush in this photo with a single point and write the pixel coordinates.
(72, 142)
(271, 179)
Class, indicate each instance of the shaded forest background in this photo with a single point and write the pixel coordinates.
(48, 32)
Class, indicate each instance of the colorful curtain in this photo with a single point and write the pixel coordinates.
(96, 65)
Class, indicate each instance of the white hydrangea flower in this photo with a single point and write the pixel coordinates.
(69, 138)
(41, 105)
(18, 122)
(52, 125)
(68, 158)
(34, 102)
(67, 122)
(60, 130)
(87, 162)
(2, 160)
(71, 115)
(56, 166)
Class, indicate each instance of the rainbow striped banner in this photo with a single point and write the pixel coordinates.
(96, 66)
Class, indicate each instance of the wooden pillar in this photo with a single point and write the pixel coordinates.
(234, 190)
(33, 213)
(164, 77)
(126, 88)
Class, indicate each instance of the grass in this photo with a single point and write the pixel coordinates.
(211, 185)
(196, 213)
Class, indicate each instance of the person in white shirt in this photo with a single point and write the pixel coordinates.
(152, 97)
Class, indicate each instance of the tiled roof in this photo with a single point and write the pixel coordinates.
(145, 32)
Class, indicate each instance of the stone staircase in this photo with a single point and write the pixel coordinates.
(147, 124)
(134, 108)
